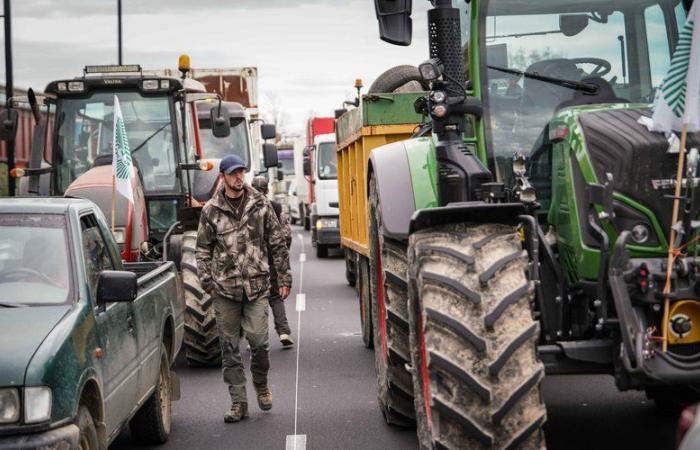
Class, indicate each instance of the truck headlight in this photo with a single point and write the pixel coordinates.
(37, 404)
(9, 405)
(326, 223)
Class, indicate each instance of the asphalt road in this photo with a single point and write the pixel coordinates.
(337, 393)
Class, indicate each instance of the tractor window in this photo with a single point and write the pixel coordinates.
(624, 49)
(85, 133)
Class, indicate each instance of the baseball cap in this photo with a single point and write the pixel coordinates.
(229, 163)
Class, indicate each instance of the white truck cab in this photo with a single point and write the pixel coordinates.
(325, 230)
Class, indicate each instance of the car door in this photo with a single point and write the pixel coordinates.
(115, 326)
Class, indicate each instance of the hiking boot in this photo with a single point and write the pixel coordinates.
(264, 396)
(286, 340)
(238, 411)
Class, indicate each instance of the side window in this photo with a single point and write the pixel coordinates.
(658, 42)
(95, 252)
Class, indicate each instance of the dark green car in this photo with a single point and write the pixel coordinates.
(86, 341)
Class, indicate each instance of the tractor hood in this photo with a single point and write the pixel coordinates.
(22, 330)
(643, 169)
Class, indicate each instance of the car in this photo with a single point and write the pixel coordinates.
(86, 341)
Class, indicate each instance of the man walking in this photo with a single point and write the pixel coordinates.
(276, 302)
(237, 231)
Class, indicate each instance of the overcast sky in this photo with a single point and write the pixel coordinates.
(308, 52)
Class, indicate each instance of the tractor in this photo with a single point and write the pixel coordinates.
(72, 155)
(523, 228)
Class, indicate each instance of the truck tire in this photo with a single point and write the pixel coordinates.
(305, 217)
(201, 343)
(404, 78)
(88, 432)
(363, 294)
(350, 267)
(477, 375)
(321, 251)
(152, 422)
(389, 320)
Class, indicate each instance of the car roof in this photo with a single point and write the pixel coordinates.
(42, 205)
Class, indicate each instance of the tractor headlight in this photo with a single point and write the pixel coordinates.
(430, 70)
(439, 96)
(641, 233)
(76, 86)
(37, 404)
(9, 405)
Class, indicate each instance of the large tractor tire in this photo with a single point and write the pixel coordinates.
(404, 78)
(389, 320)
(202, 348)
(477, 374)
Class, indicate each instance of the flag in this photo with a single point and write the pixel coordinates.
(676, 102)
(121, 156)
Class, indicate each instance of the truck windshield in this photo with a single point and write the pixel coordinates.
(236, 142)
(34, 263)
(85, 132)
(623, 47)
(327, 165)
(286, 161)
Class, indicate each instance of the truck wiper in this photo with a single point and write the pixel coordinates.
(570, 84)
(12, 305)
(150, 137)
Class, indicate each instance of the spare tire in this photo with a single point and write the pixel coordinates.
(404, 78)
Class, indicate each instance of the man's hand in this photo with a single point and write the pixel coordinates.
(284, 292)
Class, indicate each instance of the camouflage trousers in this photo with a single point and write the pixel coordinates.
(279, 313)
(250, 317)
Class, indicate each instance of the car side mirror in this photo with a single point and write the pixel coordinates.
(395, 24)
(270, 155)
(8, 124)
(268, 131)
(220, 121)
(116, 286)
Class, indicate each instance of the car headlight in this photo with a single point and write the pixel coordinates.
(9, 405)
(326, 223)
(37, 404)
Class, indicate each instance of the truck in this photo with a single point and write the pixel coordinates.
(524, 228)
(86, 341)
(283, 174)
(323, 214)
(305, 178)
(161, 121)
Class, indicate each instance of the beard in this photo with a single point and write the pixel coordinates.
(236, 186)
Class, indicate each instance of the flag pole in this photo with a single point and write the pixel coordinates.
(114, 199)
(671, 245)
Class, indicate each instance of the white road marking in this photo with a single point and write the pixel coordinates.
(302, 257)
(301, 302)
(296, 442)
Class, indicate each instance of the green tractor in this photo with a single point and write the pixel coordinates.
(523, 229)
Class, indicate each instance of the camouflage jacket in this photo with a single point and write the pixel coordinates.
(284, 221)
(233, 254)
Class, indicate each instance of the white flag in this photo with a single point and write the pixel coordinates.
(121, 156)
(676, 103)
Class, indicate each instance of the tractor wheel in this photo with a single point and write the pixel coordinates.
(477, 374)
(202, 348)
(403, 78)
(389, 320)
(363, 293)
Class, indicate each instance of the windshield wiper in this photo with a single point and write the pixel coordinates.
(150, 137)
(12, 305)
(570, 84)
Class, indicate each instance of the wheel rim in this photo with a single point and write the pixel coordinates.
(381, 313)
(164, 397)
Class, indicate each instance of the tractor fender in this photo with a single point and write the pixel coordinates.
(389, 164)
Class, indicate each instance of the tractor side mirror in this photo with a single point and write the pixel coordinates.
(307, 167)
(220, 121)
(268, 131)
(395, 24)
(270, 155)
(572, 24)
(8, 124)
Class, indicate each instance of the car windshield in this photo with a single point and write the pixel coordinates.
(327, 165)
(624, 47)
(34, 263)
(235, 143)
(286, 161)
(85, 132)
